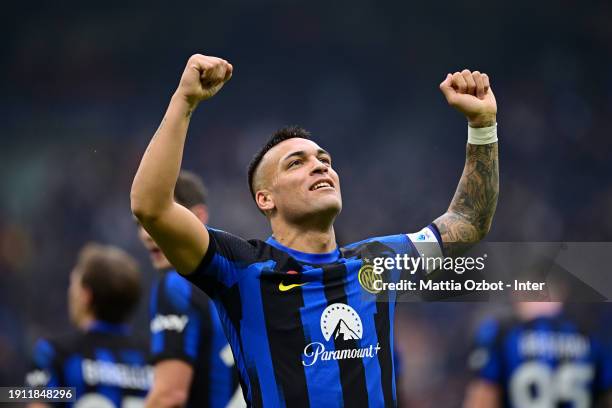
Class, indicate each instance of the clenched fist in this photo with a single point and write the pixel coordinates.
(203, 78)
(471, 94)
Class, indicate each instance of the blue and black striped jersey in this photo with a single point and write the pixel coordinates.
(106, 366)
(543, 362)
(303, 330)
(185, 326)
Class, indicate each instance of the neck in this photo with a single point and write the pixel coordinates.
(85, 322)
(314, 240)
(532, 310)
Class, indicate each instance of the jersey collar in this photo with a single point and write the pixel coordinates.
(305, 257)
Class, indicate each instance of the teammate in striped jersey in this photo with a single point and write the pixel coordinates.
(303, 330)
(539, 357)
(194, 366)
(102, 361)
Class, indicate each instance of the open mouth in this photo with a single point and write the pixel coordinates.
(321, 185)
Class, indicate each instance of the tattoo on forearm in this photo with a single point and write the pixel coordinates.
(161, 126)
(470, 213)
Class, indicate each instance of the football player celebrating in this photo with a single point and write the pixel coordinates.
(303, 331)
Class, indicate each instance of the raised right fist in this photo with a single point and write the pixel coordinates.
(203, 77)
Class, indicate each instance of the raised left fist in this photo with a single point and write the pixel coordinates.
(471, 94)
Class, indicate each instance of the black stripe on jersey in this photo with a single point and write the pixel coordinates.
(504, 327)
(256, 400)
(352, 373)
(201, 379)
(385, 355)
(285, 332)
(233, 305)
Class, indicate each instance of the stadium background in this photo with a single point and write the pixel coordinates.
(85, 87)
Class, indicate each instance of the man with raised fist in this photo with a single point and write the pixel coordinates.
(303, 330)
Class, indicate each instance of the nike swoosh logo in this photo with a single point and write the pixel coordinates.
(283, 288)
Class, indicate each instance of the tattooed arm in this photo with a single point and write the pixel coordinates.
(469, 216)
(470, 213)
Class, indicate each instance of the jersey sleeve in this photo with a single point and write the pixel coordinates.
(226, 259)
(485, 358)
(427, 243)
(176, 323)
(603, 353)
(44, 370)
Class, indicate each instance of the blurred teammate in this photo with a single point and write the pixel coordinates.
(105, 364)
(302, 329)
(539, 358)
(194, 366)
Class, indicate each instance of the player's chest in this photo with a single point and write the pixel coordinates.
(291, 295)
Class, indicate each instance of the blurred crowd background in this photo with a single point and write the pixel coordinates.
(84, 88)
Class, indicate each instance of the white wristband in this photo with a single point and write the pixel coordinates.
(481, 136)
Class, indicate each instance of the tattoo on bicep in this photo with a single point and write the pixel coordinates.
(470, 213)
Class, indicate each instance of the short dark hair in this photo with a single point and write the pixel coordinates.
(282, 134)
(190, 190)
(114, 280)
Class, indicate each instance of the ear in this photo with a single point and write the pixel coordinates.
(264, 200)
(86, 297)
(201, 211)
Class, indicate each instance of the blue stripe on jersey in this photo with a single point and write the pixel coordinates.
(485, 338)
(228, 275)
(73, 374)
(178, 291)
(44, 353)
(192, 334)
(395, 362)
(510, 347)
(132, 357)
(320, 376)
(232, 338)
(100, 326)
(603, 354)
(219, 374)
(257, 346)
(157, 338)
(109, 391)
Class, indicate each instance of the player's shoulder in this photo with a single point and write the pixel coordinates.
(384, 245)
(574, 320)
(494, 327)
(237, 247)
(49, 348)
(128, 340)
(225, 236)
